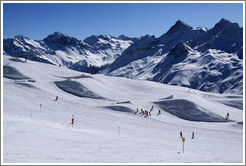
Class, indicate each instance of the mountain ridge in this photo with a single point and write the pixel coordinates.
(144, 57)
(190, 46)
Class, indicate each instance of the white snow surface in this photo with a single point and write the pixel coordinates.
(34, 134)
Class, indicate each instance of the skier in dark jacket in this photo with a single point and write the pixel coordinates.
(72, 120)
(56, 98)
(181, 135)
(159, 112)
(227, 116)
(142, 112)
(151, 108)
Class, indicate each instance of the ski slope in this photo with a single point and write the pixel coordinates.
(37, 129)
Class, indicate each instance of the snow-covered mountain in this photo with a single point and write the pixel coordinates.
(209, 60)
(37, 128)
(60, 49)
(225, 36)
(199, 58)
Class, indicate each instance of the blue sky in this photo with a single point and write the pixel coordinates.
(80, 20)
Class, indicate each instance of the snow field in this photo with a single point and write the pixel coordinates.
(34, 135)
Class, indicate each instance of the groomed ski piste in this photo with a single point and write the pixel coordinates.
(37, 129)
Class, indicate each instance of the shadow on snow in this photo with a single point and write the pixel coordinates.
(12, 73)
(77, 89)
(119, 109)
(187, 110)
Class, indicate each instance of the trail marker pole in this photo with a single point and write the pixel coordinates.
(119, 130)
(183, 140)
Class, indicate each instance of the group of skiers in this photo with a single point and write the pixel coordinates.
(142, 112)
(146, 113)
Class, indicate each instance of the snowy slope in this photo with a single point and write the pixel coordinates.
(34, 133)
(208, 60)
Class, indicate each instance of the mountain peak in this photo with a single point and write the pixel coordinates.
(20, 37)
(91, 40)
(105, 37)
(224, 21)
(179, 22)
(224, 24)
(178, 26)
(56, 35)
(123, 37)
(95, 38)
(60, 38)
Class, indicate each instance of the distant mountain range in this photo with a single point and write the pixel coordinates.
(200, 58)
(60, 49)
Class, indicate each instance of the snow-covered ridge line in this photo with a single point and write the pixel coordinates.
(199, 58)
(60, 49)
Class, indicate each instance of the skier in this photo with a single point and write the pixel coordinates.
(72, 120)
(136, 112)
(159, 112)
(56, 98)
(193, 135)
(181, 134)
(59, 65)
(152, 108)
(142, 112)
(146, 113)
(227, 116)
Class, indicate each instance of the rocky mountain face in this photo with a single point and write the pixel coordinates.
(200, 58)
